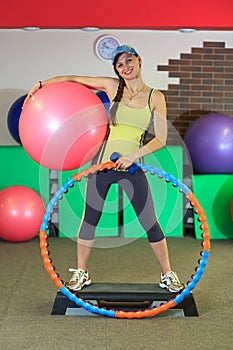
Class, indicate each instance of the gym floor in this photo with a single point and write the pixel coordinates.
(28, 295)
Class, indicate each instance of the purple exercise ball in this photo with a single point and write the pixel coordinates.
(209, 140)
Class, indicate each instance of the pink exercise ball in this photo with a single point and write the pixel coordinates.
(63, 125)
(21, 213)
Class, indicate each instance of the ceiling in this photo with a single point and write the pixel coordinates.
(107, 14)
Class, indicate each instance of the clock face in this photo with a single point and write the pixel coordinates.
(105, 46)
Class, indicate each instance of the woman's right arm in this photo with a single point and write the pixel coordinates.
(97, 83)
(106, 84)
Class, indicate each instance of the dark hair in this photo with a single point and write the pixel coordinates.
(119, 93)
(117, 98)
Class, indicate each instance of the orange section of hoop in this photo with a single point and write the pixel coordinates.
(47, 264)
(146, 313)
(202, 217)
(93, 169)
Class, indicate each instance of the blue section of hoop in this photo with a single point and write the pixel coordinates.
(195, 280)
(161, 173)
(57, 196)
(85, 305)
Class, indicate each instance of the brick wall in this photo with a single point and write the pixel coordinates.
(205, 85)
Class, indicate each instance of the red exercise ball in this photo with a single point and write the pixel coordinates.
(63, 126)
(21, 213)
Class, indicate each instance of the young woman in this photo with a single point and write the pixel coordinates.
(134, 108)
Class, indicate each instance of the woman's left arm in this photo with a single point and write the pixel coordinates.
(160, 126)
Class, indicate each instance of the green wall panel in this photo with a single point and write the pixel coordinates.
(72, 205)
(168, 201)
(214, 193)
(17, 168)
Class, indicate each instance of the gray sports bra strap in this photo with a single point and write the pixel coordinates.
(149, 98)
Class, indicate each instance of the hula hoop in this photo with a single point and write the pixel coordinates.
(195, 278)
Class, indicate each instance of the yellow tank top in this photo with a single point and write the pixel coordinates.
(127, 135)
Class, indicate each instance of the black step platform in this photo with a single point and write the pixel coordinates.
(122, 296)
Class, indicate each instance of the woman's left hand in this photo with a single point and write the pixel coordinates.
(124, 162)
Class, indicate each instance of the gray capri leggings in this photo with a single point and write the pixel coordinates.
(136, 187)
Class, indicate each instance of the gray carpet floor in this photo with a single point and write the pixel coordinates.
(28, 294)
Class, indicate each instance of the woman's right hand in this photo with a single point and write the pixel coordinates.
(33, 90)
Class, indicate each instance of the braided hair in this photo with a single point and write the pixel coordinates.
(118, 95)
(116, 99)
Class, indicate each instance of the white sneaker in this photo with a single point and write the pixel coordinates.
(171, 282)
(78, 280)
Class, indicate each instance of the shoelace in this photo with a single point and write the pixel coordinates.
(75, 275)
(172, 275)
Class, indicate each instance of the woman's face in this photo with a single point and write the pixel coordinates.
(128, 66)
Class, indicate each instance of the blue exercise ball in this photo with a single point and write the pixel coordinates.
(13, 118)
(209, 140)
(104, 99)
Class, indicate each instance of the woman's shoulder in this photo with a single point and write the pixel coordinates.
(109, 81)
(157, 97)
(111, 86)
(155, 92)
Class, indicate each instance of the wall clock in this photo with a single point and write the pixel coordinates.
(105, 45)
